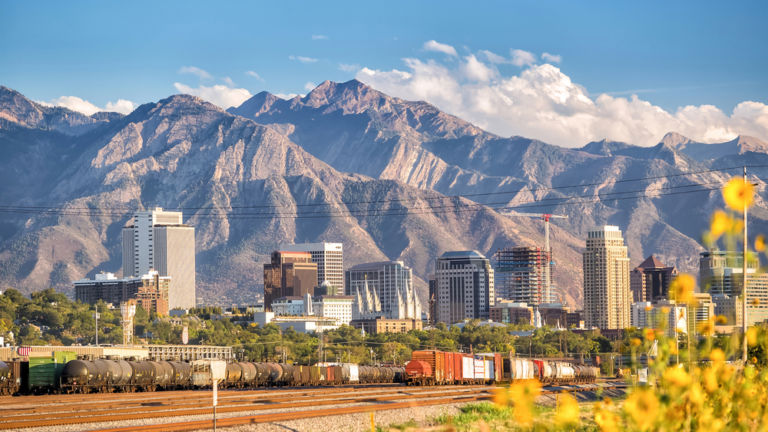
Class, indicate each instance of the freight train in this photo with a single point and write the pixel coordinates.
(441, 368)
(62, 372)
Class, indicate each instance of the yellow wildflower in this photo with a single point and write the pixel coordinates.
(696, 395)
(720, 319)
(738, 194)
(649, 334)
(720, 224)
(522, 395)
(710, 380)
(760, 243)
(501, 396)
(682, 288)
(635, 342)
(642, 406)
(752, 336)
(677, 377)
(707, 327)
(717, 356)
(755, 302)
(606, 420)
(567, 410)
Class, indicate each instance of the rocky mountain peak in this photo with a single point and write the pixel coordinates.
(745, 143)
(675, 140)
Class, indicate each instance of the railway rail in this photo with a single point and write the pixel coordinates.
(281, 404)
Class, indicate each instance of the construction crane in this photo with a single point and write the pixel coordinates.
(546, 217)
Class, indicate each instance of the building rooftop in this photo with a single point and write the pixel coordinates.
(462, 254)
(375, 265)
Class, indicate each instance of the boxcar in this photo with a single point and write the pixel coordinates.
(436, 361)
(10, 377)
(43, 371)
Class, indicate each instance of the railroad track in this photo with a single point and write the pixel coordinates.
(302, 403)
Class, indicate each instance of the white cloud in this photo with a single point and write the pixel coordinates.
(434, 45)
(542, 102)
(349, 67)
(287, 96)
(309, 86)
(253, 74)
(228, 81)
(302, 59)
(194, 70)
(221, 95)
(551, 58)
(319, 37)
(522, 58)
(493, 57)
(80, 105)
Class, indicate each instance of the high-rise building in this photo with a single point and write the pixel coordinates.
(465, 286)
(649, 282)
(664, 314)
(520, 275)
(289, 274)
(158, 240)
(721, 274)
(607, 298)
(386, 285)
(329, 258)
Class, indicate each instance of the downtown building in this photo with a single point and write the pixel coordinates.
(465, 287)
(721, 274)
(289, 274)
(150, 291)
(383, 289)
(329, 258)
(159, 240)
(607, 297)
(520, 275)
(649, 282)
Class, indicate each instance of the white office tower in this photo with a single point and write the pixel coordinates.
(465, 286)
(607, 297)
(389, 284)
(158, 240)
(329, 258)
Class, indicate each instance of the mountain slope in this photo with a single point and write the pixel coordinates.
(246, 189)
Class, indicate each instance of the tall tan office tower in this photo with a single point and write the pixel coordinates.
(607, 297)
(158, 240)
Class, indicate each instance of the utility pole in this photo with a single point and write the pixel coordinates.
(96, 317)
(744, 281)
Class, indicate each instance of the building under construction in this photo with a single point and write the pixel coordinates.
(521, 275)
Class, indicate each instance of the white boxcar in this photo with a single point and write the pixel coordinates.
(479, 368)
(467, 367)
(488, 370)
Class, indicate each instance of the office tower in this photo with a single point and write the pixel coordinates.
(465, 286)
(388, 284)
(721, 275)
(289, 274)
(329, 258)
(607, 299)
(158, 240)
(649, 282)
(519, 275)
(150, 291)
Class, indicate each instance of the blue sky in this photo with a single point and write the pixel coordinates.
(668, 54)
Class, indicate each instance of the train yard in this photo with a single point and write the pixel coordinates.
(191, 409)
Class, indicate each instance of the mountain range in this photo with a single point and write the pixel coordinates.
(391, 179)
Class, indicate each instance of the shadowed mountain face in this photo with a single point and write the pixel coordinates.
(345, 163)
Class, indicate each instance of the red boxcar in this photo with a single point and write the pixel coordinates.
(449, 369)
(436, 361)
(497, 367)
(418, 372)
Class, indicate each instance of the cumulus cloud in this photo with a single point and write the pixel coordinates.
(302, 59)
(319, 37)
(493, 57)
(551, 58)
(221, 95)
(75, 103)
(522, 58)
(194, 70)
(542, 102)
(434, 45)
